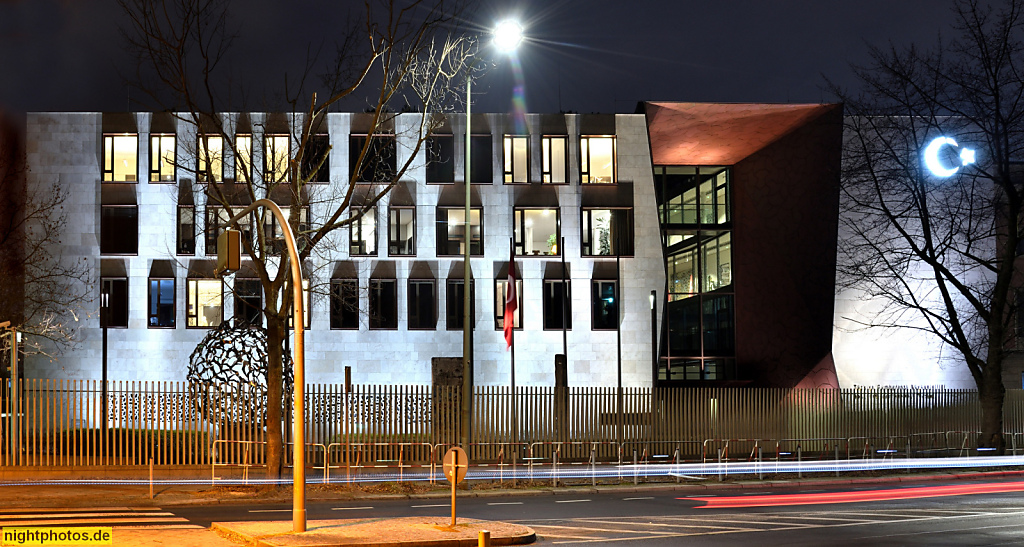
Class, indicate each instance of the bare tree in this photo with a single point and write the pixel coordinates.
(940, 251)
(40, 287)
(408, 53)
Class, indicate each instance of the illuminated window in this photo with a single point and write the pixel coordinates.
(243, 158)
(363, 233)
(597, 160)
(383, 304)
(186, 230)
(500, 294)
(451, 230)
(380, 162)
(119, 229)
(210, 155)
(276, 154)
(422, 304)
(440, 159)
(692, 195)
(205, 303)
(114, 297)
(249, 301)
(557, 304)
(161, 158)
(516, 153)
(455, 303)
(345, 304)
(607, 232)
(161, 303)
(401, 231)
(604, 305)
(553, 164)
(120, 158)
(536, 232)
(216, 220)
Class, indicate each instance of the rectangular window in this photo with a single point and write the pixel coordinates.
(205, 302)
(536, 232)
(120, 158)
(306, 305)
(186, 230)
(451, 230)
(440, 159)
(114, 302)
(516, 153)
(717, 261)
(383, 304)
(249, 302)
(161, 158)
(557, 304)
(500, 294)
(454, 303)
(553, 165)
(276, 154)
(119, 229)
(481, 160)
(316, 162)
(607, 232)
(161, 303)
(380, 162)
(274, 232)
(363, 234)
(216, 218)
(604, 306)
(690, 195)
(243, 158)
(210, 159)
(345, 304)
(401, 231)
(597, 160)
(422, 304)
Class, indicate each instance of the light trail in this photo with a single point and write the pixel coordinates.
(773, 500)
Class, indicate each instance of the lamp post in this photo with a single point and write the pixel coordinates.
(298, 356)
(507, 36)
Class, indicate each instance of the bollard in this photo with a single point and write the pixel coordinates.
(837, 459)
(554, 468)
(760, 469)
(151, 478)
(484, 539)
(719, 465)
(634, 468)
(799, 466)
(678, 479)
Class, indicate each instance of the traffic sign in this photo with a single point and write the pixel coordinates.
(456, 462)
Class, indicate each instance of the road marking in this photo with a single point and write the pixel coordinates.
(505, 503)
(631, 499)
(269, 510)
(55, 522)
(82, 515)
(74, 509)
(436, 505)
(349, 508)
(162, 527)
(571, 501)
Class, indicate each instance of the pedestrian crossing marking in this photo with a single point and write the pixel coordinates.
(115, 517)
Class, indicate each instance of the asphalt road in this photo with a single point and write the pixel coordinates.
(939, 515)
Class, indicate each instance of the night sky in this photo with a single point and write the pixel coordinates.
(582, 55)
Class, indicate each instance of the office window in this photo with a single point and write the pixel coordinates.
(161, 158)
(243, 158)
(249, 302)
(402, 231)
(120, 158)
(114, 297)
(274, 232)
(454, 303)
(481, 160)
(316, 162)
(451, 226)
(307, 303)
(383, 304)
(379, 163)
(557, 304)
(422, 304)
(597, 160)
(553, 164)
(440, 150)
(210, 159)
(276, 154)
(691, 195)
(161, 303)
(216, 218)
(516, 154)
(345, 304)
(186, 230)
(119, 229)
(500, 294)
(607, 232)
(536, 232)
(363, 234)
(604, 305)
(205, 302)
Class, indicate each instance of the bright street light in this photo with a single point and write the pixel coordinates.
(507, 35)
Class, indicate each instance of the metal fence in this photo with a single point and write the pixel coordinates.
(62, 423)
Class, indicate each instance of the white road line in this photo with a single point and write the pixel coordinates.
(52, 522)
(162, 527)
(84, 515)
(73, 509)
(349, 508)
(612, 530)
(505, 503)
(270, 510)
(436, 505)
(571, 501)
(631, 499)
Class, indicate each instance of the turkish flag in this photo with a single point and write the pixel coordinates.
(511, 301)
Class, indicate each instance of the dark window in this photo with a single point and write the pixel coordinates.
(274, 233)
(186, 230)
(114, 302)
(557, 305)
(216, 217)
(161, 303)
(249, 302)
(451, 226)
(555, 151)
(422, 304)
(210, 159)
(402, 231)
(718, 325)
(440, 158)
(344, 304)
(379, 163)
(516, 154)
(363, 233)
(161, 158)
(316, 162)
(120, 158)
(607, 232)
(306, 305)
(383, 304)
(455, 304)
(481, 160)
(604, 305)
(500, 294)
(537, 232)
(119, 229)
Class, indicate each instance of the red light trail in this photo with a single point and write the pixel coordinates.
(856, 497)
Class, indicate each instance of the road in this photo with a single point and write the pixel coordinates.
(929, 514)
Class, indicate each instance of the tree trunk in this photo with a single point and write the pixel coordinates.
(275, 398)
(991, 393)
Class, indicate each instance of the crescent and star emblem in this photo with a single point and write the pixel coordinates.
(936, 166)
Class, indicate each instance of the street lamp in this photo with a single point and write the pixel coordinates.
(507, 36)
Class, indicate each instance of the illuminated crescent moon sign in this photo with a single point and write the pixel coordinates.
(935, 165)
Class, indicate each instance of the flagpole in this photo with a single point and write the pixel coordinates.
(512, 349)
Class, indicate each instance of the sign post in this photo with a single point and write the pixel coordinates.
(456, 462)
